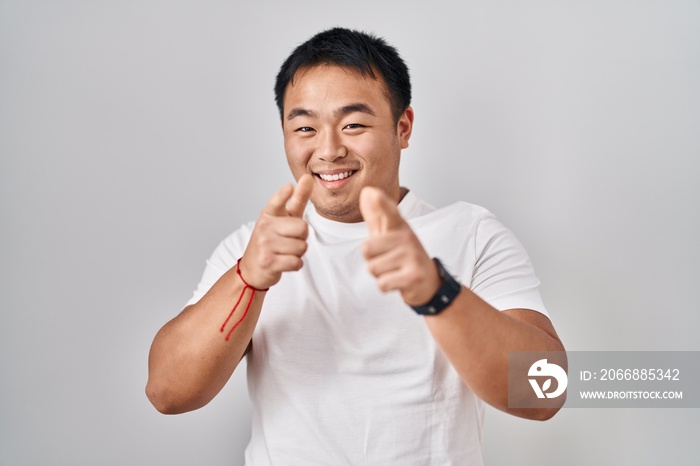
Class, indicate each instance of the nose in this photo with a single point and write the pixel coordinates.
(330, 147)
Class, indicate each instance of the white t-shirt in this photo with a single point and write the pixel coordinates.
(342, 374)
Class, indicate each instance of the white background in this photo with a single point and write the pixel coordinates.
(135, 135)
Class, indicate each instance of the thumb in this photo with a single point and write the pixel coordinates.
(276, 205)
(300, 197)
(380, 213)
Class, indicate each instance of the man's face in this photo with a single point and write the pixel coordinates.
(338, 127)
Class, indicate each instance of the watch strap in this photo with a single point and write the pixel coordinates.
(448, 291)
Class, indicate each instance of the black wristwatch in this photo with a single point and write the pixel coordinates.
(447, 293)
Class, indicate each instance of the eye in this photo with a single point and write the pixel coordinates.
(354, 126)
(304, 129)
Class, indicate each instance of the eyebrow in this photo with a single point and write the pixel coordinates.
(340, 112)
(295, 112)
(352, 108)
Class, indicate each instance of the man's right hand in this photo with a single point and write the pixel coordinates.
(279, 237)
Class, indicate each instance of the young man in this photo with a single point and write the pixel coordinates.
(362, 348)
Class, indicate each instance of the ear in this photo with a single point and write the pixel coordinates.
(405, 126)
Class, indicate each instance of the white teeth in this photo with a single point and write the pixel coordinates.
(336, 177)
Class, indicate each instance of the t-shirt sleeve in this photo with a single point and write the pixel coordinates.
(222, 259)
(503, 275)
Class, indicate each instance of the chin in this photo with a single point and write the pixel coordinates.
(342, 212)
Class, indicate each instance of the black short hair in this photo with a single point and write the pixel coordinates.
(356, 50)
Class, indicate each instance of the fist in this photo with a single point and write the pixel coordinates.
(394, 255)
(278, 240)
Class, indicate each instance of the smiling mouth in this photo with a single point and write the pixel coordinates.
(336, 176)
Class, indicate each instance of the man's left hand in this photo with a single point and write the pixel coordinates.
(393, 253)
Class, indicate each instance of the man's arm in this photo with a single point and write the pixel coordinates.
(476, 339)
(474, 336)
(191, 358)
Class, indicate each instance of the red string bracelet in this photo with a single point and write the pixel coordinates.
(250, 301)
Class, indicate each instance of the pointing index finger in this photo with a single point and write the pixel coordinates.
(276, 205)
(300, 196)
(380, 213)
